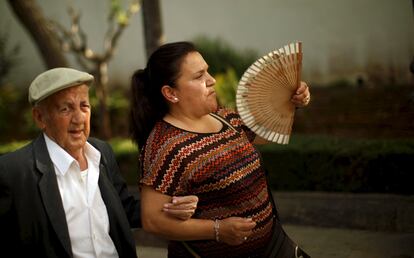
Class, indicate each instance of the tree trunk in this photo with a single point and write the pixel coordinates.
(31, 16)
(151, 13)
(101, 84)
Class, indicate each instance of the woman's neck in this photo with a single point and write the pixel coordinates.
(193, 123)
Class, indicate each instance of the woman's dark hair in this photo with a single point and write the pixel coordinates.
(148, 105)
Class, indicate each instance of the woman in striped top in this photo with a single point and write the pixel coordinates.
(189, 146)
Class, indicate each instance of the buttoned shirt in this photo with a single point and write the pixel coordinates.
(86, 213)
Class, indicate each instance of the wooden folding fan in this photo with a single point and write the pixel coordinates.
(264, 93)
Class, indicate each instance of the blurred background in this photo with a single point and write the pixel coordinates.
(351, 149)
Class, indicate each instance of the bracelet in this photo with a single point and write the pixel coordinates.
(216, 230)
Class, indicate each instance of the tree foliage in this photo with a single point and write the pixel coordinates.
(221, 56)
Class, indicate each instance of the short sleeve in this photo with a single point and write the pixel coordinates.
(161, 161)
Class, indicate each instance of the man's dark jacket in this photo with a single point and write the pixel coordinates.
(32, 218)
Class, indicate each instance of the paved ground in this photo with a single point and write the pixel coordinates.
(319, 242)
(388, 221)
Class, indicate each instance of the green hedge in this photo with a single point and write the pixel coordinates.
(317, 163)
(127, 155)
(314, 163)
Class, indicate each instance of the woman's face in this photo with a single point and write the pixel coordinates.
(194, 86)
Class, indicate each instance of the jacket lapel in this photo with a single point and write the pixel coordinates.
(107, 194)
(119, 229)
(50, 194)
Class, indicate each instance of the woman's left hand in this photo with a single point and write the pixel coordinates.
(301, 98)
(181, 207)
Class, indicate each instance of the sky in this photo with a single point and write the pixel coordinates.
(339, 36)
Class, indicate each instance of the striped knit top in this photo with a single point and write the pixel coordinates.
(223, 169)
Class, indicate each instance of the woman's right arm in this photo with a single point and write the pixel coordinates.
(154, 220)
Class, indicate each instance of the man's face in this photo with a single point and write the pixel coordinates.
(65, 118)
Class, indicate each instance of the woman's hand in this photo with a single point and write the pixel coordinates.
(181, 207)
(235, 230)
(166, 224)
(301, 98)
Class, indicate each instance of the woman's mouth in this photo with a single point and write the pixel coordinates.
(212, 93)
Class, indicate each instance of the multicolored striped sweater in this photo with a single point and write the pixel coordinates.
(223, 169)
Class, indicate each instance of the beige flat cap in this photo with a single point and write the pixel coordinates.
(54, 80)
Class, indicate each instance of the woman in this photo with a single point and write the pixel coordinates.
(189, 146)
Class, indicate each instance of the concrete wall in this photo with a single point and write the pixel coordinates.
(341, 37)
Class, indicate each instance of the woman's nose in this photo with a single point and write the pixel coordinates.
(211, 80)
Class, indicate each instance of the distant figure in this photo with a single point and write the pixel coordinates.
(360, 81)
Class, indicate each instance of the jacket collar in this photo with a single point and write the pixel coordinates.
(49, 191)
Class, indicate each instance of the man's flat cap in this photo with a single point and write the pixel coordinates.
(54, 80)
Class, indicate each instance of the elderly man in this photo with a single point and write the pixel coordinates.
(62, 195)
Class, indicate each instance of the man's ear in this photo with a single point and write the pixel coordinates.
(169, 93)
(38, 117)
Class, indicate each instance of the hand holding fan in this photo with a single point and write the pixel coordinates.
(264, 93)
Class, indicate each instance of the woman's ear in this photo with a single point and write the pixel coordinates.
(169, 94)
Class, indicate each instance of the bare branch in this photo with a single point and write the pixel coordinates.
(68, 43)
(111, 39)
(75, 40)
(111, 44)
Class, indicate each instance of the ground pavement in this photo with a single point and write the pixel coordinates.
(343, 225)
(319, 242)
